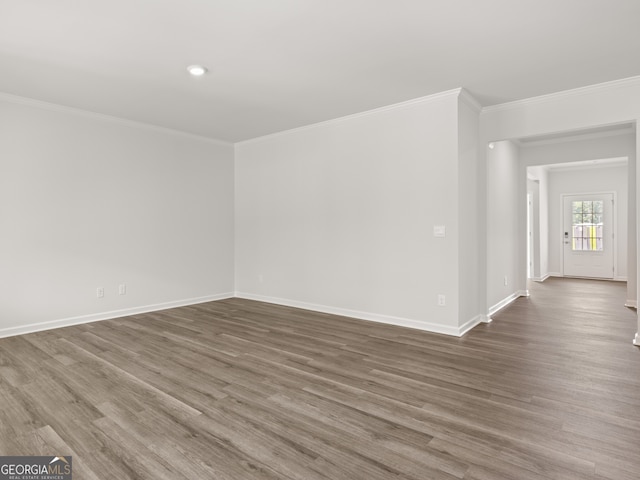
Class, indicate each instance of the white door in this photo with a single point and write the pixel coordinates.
(588, 235)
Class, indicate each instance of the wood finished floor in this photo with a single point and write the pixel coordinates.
(242, 390)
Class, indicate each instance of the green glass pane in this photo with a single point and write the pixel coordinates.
(577, 218)
(577, 207)
(587, 207)
(597, 218)
(598, 207)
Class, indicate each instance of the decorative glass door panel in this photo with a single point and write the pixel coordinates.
(587, 228)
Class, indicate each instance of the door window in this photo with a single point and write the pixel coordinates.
(587, 225)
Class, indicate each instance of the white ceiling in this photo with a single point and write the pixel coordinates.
(280, 64)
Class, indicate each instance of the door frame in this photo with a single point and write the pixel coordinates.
(614, 229)
(530, 244)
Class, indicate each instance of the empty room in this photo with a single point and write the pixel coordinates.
(313, 240)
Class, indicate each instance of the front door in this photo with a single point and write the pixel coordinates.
(588, 235)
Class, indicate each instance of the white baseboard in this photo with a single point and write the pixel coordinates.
(506, 301)
(540, 279)
(373, 317)
(631, 303)
(67, 322)
(387, 319)
(477, 320)
(614, 279)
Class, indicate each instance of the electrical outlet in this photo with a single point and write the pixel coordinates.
(122, 289)
(442, 301)
(506, 281)
(100, 292)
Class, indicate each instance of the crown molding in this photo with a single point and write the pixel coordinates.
(575, 92)
(469, 100)
(577, 137)
(31, 102)
(353, 116)
(613, 162)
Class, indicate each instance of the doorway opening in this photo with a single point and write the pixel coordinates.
(527, 179)
(580, 210)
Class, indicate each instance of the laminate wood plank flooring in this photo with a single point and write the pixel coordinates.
(243, 390)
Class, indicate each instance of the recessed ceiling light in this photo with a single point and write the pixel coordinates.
(491, 145)
(196, 70)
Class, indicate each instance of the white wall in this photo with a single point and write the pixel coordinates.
(503, 219)
(88, 201)
(472, 247)
(632, 243)
(588, 180)
(339, 216)
(533, 242)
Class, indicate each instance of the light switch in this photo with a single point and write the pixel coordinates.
(439, 231)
